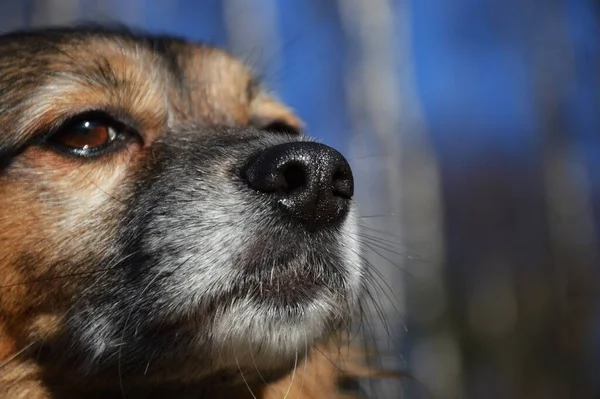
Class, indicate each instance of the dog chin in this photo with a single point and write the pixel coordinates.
(268, 338)
(281, 325)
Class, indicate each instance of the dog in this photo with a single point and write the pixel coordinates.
(167, 229)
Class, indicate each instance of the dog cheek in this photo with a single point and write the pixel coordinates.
(61, 234)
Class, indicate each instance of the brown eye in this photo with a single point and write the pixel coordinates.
(88, 135)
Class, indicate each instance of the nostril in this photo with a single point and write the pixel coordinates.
(343, 185)
(271, 172)
(294, 175)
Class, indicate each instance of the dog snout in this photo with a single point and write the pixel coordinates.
(310, 182)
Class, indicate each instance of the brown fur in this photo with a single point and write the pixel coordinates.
(44, 83)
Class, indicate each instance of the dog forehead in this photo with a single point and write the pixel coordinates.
(157, 80)
(37, 48)
(201, 83)
(218, 87)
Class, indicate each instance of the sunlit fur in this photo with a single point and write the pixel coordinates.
(154, 269)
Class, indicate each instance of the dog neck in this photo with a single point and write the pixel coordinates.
(319, 376)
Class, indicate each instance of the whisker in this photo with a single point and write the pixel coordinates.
(243, 377)
(375, 276)
(255, 365)
(395, 265)
(376, 279)
(381, 235)
(381, 215)
(17, 354)
(380, 313)
(305, 362)
(293, 375)
(372, 242)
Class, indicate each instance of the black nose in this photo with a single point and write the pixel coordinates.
(311, 182)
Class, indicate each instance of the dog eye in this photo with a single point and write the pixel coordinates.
(87, 135)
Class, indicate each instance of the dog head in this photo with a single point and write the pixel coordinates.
(163, 217)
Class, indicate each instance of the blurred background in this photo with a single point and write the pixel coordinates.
(473, 128)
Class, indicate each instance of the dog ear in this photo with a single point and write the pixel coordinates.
(269, 114)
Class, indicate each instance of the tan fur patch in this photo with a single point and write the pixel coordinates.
(58, 213)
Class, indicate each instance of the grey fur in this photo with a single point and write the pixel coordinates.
(204, 246)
